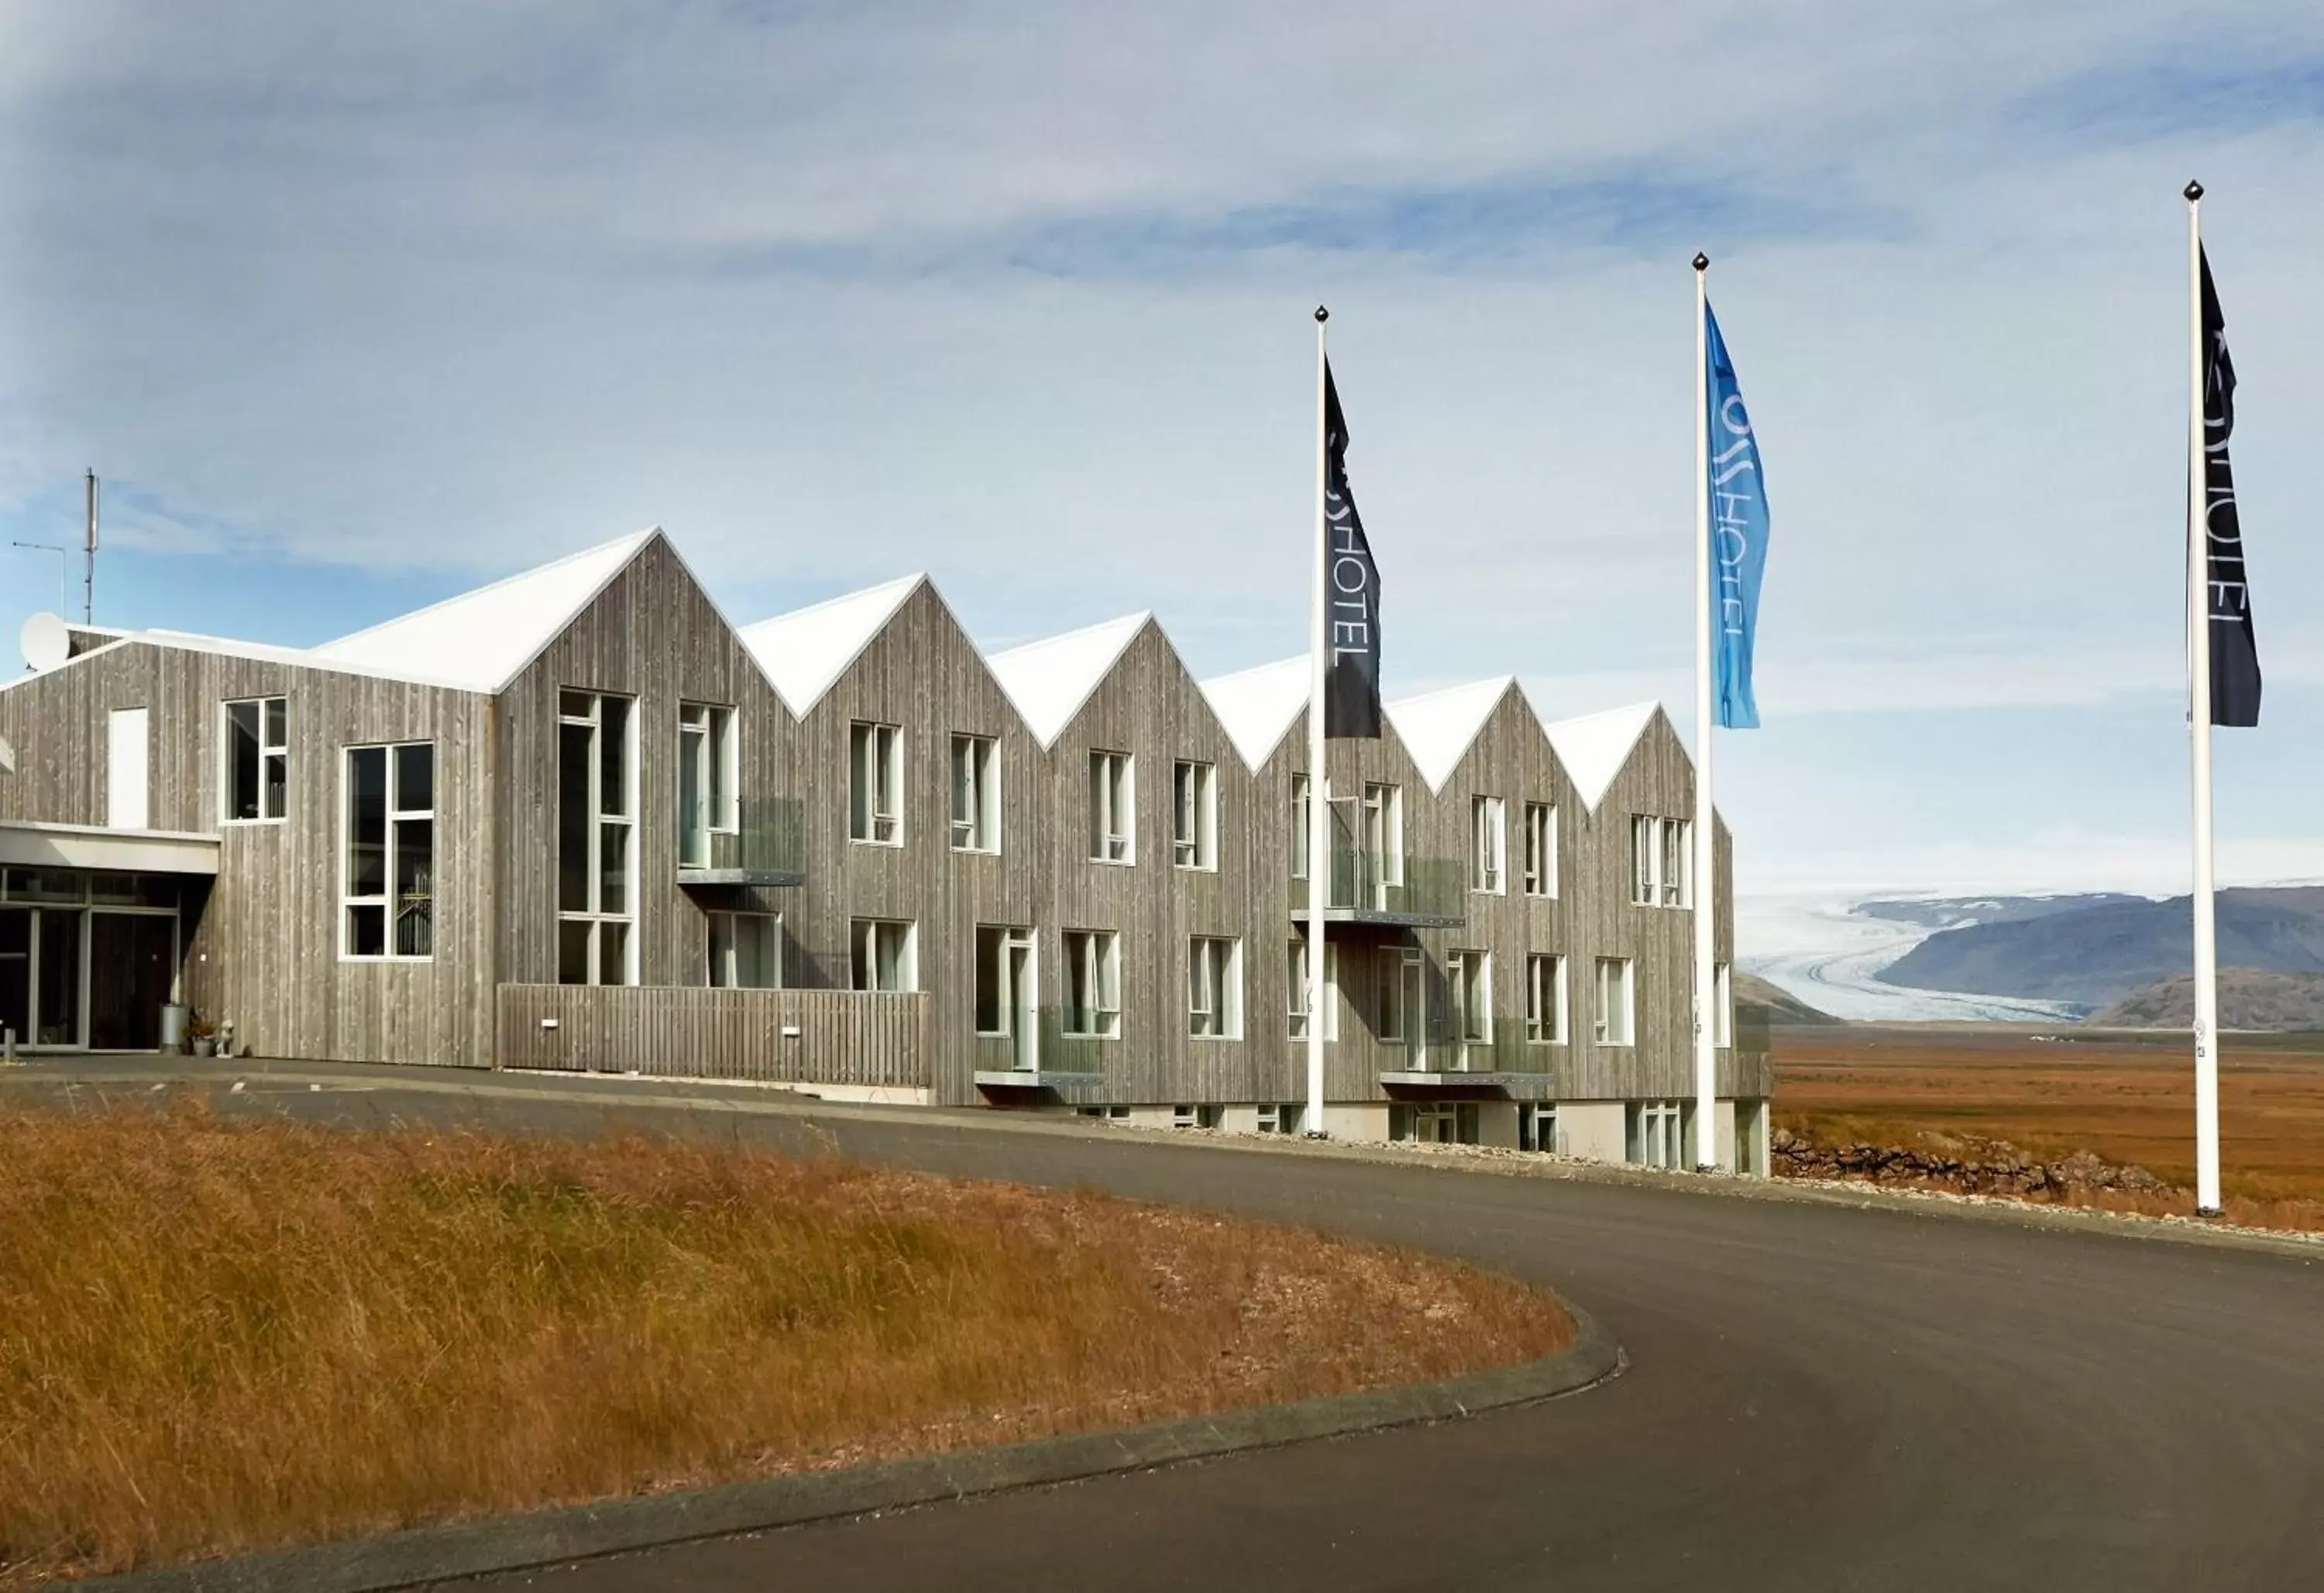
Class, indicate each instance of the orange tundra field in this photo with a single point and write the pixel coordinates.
(2124, 1095)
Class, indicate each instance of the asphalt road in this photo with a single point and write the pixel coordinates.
(1817, 1397)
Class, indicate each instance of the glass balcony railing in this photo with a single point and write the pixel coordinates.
(767, 844)
(1367, 886)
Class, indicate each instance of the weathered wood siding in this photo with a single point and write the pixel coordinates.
(654, 635)
(837, 1037)
(922, 674)
(263, 949)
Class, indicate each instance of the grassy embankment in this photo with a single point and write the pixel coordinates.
(2125, 1097)
(219, 1337)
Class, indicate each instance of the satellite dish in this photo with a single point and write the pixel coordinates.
(48, 641)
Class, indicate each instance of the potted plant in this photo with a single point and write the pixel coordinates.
(203, 1032)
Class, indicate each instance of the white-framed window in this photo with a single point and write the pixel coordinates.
(1384, 831)
(1658, 1133)
(975, 794)
(1214, 987)
(1661, 861)
(746, 950)
(596, 825)
(708, 764)
(1301, 836)
(1401, 1009)
(1611, 1018)
(875, 784)
(1489, 847)
(1296, 989)
(1538, 1127)
(388, 878)
(1113, 808)
(1544, 999)
(883, 954)
(254, 774)
(1195, 814)
(1007, 982)
(1469, 976)
(1540, 850)
(1093, 984)
(1722, 1005)
(1280, 1117)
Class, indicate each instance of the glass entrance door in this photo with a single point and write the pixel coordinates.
(131, 956)
(56, 976)
(16, 973)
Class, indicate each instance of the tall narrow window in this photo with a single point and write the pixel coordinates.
(257, 775)
(1678, 863)
(1544, 1000)
(1384, 833)
(875, 784)
(1093, 984)
(1007, 987)
(1114, 797)
(1722, 1005)
(1402, 996)
(1295, 990)
(389, 870)
(1214, 987)
(1540, 850)
(1610, 1020)
(882, 956)
(1194, 808)
(707, 767)
(976, 795)
(1470, 975)
(1300, 833)
(596, 857)
(746, 950)
(1489, 827)
(1646, 861)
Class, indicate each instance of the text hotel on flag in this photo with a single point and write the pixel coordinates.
(2235, 652)
(1738, 535)
(1352, 682)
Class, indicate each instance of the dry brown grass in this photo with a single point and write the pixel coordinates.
(223, 1337)
(2129, 1099)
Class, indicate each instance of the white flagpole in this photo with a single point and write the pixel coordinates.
(1318, 797)
(2198, 724)
(1704, 862)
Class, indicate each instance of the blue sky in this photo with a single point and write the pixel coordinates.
(354, 309)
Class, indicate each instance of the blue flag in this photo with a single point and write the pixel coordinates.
(1738, 537)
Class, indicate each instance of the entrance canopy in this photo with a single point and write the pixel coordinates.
(112, 851)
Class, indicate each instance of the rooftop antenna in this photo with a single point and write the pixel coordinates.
(62, 555)
(88, 577)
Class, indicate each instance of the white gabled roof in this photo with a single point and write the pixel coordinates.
(1048, 680)
(1593, 747)
(1258, 707)
(482, 640)
(806, 651)
(1438, 727)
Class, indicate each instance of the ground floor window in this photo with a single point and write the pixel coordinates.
(1437, 1123)
(1189, 1114)
(1538, 1127)
(746, 950)
(1658, 1133)
(1281, 1118)
(1008, 990)
(882, 956)
(1093, 984)
(1214, 987)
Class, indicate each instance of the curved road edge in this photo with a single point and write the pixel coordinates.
(538, 1539)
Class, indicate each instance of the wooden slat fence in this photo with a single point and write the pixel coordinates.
(843, 1037)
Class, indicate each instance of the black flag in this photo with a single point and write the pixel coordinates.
(1352, 592)
(2234, 653)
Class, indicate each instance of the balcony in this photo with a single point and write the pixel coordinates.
(1503, 1068)
(768, 846)
(1069, 1065)
(1387, 890)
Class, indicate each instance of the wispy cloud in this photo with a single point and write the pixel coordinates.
(2171, 99)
